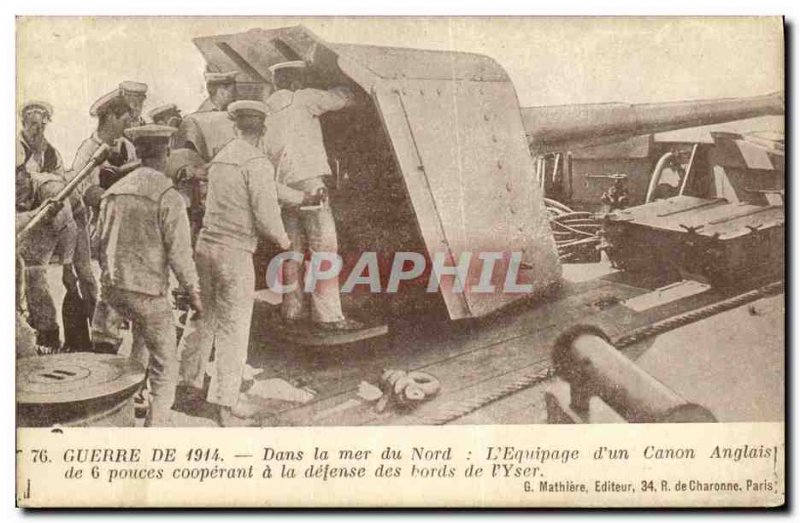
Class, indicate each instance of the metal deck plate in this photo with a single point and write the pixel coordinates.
(308, 336)
(65, 378)
(665, 295)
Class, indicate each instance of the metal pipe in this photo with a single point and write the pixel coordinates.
(569, 175)
(656, 176)
(584, 357)
(689, 169)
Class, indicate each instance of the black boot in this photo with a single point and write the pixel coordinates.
(102, 347)
(191, 401)
(76, 323)
(49, 339)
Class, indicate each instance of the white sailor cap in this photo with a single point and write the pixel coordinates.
(37, 105)
(247, 108)
(129, 87)
(149, 132)
(228, 77)
(163, 110)
(293, 64)
(107, 102)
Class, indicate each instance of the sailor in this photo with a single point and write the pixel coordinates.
(208, 130)
(25, 335)
(113, 115)
(221, 88)
(40, 155)
(616, 196)
(294, 144)
(167, 114)
(135, 93)
(241, 206)
(33, 190)
(143, 232)
(189, 174)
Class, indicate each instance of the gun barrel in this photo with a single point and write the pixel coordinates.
(569, 126)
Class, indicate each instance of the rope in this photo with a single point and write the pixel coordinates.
(654, 329)
(471, 405)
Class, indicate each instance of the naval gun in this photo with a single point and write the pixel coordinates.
(432, 159)
(578, 148)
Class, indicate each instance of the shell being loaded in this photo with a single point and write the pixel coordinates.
(567, 127)
(433, 160)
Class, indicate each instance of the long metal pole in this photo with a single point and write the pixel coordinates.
(97, 158)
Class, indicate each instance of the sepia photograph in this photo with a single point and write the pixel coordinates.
(230, 222)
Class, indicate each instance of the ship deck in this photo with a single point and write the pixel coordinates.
(473, 359)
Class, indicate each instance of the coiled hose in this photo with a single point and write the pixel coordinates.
(575, 233)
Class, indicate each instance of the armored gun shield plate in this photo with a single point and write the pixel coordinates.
(68, 378)
(454, 126)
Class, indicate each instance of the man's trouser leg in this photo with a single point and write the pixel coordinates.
(293, 306)
(106, 326)
(76, 314)
(19, 283)
(233, 309)
(82, 263)
(320, 231)
(261, 263)
(139, 352)
(26, 338)
(152, 326)
(195, 346)
(41, 308)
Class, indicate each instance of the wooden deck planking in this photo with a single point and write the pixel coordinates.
(472, 364)
(411, 347)
(470, 361)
